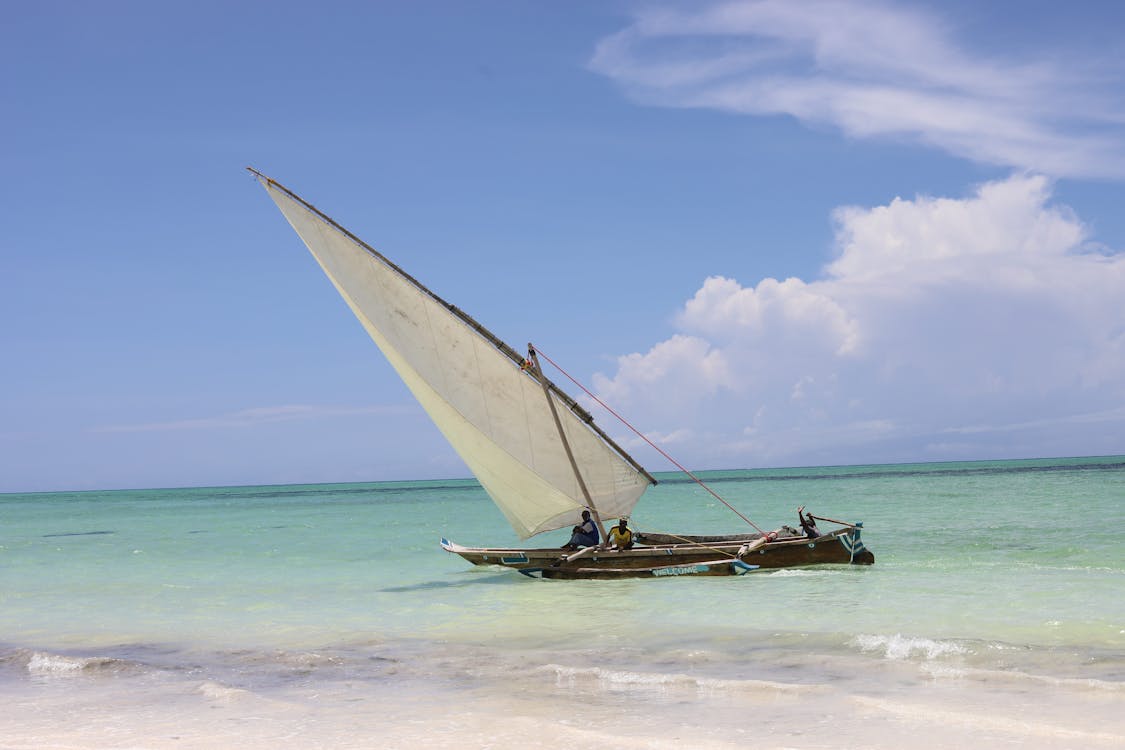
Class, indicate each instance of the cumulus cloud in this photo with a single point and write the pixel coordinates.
(723, 308)
(871, 69)
(944, 327)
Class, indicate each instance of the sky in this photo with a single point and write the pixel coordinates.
(769, 233)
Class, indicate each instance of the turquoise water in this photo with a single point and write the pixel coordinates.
(992, 581)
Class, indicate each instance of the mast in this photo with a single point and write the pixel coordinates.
(533, 358)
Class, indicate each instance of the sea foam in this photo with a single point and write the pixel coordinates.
(899, 647)
(47, 664)
(626, 680)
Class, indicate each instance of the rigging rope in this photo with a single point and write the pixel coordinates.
(639, 434)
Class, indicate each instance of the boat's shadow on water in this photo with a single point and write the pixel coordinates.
(501, 578)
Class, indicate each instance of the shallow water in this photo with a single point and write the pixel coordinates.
(328, 616)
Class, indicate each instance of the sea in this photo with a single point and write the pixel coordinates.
(328, 616)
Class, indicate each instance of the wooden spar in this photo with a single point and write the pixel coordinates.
(465, 318)
(534, 360)
(832, 520)
(585, 551)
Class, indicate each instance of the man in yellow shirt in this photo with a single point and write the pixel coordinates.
(620, 536)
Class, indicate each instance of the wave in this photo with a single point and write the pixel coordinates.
(623, 680)
(46, 664)
(995, 665)
(982, 722)
(216, 691)
(1018, 678)
(78, 533)
(800, 573)
(899, 647)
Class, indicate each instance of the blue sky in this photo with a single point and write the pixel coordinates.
(770, 233)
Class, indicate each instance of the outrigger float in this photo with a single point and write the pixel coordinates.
(535, 450)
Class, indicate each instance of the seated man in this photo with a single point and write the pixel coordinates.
(620, 536)
(584, 534)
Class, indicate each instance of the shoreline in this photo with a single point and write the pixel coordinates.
(387, 695)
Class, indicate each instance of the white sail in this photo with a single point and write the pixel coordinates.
(494, 414)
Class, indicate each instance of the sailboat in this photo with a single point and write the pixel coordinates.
(534, 449)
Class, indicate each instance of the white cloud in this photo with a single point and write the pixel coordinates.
(983, 316)
(938, 240)
(681, 362)
(255, 417)
(722, 307)
(872, 69)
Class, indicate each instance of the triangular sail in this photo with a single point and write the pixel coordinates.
(493, 412)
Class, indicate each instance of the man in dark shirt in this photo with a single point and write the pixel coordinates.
(584, 534)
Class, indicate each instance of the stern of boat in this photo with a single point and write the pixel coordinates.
(858, 554)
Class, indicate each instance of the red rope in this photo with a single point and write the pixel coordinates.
(642, 437)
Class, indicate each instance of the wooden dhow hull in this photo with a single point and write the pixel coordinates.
(726, 567)
(843, 546)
